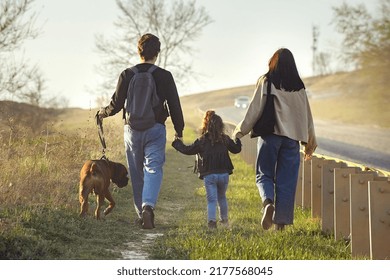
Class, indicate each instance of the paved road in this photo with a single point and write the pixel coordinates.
(365, 145)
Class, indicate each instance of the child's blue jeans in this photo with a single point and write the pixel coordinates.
(216, 186)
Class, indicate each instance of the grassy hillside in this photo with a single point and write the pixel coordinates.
(351, 97)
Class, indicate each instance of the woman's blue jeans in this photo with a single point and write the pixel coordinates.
(277, 169)
(216, 186)
(145, 153)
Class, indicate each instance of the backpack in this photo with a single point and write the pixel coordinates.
(141, 99)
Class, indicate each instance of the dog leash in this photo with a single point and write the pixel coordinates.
(99, 123)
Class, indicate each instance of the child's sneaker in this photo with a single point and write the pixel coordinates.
(212, 224)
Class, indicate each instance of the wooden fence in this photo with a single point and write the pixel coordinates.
(351, 201)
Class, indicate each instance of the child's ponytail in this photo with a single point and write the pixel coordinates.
(206, 120)
(214, 127)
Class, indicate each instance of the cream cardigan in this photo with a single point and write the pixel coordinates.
(292, 113)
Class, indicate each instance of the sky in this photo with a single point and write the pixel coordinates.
(232, 51)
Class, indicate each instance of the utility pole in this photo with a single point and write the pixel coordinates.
(315, 32)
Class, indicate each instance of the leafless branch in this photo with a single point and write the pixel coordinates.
(177, 25)
(22, 80)
(15, 27)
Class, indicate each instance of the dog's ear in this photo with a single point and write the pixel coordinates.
(118, 170)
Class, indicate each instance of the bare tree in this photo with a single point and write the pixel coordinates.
(314, 47)
(366, 39)
(177, 25)
(13, 28)
(17, 77)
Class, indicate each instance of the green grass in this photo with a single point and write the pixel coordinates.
(39, 206)
(47, 232)
(244, 239)
(39, 194)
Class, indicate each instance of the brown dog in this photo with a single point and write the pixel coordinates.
(96, 176)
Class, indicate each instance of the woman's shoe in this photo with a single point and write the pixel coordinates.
(266, 221)
(224, 222)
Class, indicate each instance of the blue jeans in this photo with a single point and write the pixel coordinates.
(145, 153)
(216, 186)
(277, 174)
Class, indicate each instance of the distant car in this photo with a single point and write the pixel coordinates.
(241, 102)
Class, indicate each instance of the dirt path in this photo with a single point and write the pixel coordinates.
(137, 250)
(176, 194)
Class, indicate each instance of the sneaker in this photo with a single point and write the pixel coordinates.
(266, 221)
(267, 201)
(212, 224)
(147, 217)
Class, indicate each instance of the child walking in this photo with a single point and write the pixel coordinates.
(213, 163)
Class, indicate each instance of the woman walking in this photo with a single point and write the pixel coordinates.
(278, 156)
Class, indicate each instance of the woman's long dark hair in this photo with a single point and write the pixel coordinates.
(283, 72)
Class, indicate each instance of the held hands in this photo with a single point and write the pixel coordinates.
(177, 141)
(176, 137)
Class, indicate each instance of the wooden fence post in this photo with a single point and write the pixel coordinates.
(360, 228)
(306, 184)
(298, 192)
(342, 202)
(360, 234)
(316, 175)
(327, 198)
(379, 218)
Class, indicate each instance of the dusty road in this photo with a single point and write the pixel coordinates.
(362, 144)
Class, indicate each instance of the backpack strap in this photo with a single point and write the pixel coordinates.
(134, 69)
(150, 70)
